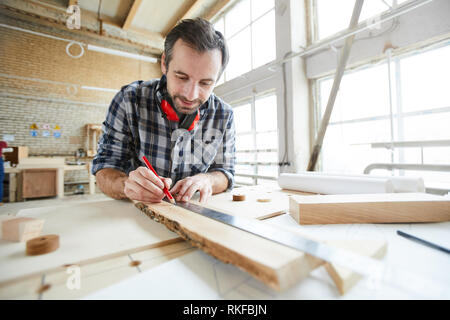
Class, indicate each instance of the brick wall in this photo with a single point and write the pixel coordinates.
(41, 84)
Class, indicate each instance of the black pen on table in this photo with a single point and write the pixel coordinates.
(424, 242)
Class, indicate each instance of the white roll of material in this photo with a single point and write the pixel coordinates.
(401, 184)
(327, 184)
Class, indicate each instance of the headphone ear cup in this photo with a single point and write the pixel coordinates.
(194, 122)
(169, 111)
(189, 121)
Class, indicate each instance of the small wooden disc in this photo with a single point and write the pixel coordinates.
(135, 263)
(263, 200)
(43, 288)
(238, 197)
(42, 245)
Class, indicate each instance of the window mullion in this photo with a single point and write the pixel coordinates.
(315, 21)
(391, 102)
(225, 36)
(255, 167)
(400, 118)
(251, 37)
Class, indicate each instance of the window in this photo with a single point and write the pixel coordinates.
(256, 140)
(335, 15)
(425, 80)
(249, 28)
(361, 115)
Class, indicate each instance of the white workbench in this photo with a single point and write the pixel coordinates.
(199, 276)
(179, 271)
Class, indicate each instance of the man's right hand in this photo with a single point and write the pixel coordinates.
(143, 185)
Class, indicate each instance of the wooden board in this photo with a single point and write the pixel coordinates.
(96, 276)
(345, 278)
(276, 265)
(93, 276)
(206, 278)
(369, 208)
(88, 232)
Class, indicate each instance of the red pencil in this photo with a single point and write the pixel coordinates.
(166, 192)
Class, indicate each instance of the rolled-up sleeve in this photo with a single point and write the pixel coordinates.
(226, 155)
(115, 147)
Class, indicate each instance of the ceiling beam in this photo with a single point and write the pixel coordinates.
(130, 16)
(92, 17)
(190, 12)
(150, 42)
(220, 4)
(150, 35)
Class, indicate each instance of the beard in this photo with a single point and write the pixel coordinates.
(186, 109)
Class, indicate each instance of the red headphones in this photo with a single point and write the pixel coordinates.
(173, 116)
(189, 121)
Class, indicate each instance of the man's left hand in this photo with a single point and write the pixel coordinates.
(184, 189)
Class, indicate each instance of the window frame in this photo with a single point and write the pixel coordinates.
(224, 77)
(255, 163)
(399, 115)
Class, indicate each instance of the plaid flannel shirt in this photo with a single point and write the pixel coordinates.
(135, 127)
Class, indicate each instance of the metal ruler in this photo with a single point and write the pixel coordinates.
(376, 271)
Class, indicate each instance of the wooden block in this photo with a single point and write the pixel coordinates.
(238, 197)
(345, 278)
(369, 208)
(42, 245)
(21, 229)
(278, 266)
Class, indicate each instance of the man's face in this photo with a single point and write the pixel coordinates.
(191, 76)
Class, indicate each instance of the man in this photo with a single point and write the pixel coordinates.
(185, 131)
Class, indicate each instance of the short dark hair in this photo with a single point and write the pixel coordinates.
(200, 35)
